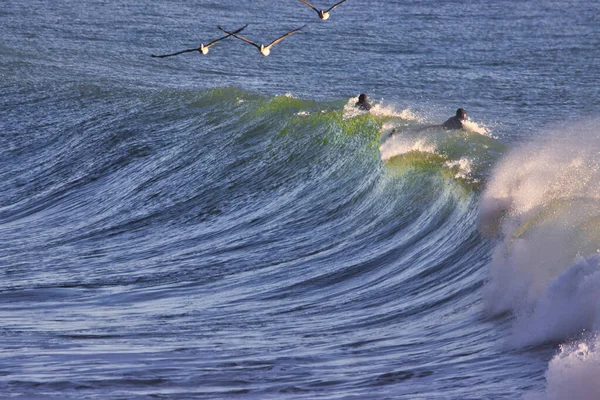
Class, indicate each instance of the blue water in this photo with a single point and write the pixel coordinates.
(229, 226)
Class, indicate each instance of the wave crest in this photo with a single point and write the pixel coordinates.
(543, 204)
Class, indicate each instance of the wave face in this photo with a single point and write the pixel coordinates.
(220, 242)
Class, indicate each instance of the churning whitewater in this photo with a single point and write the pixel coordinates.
(544, 203)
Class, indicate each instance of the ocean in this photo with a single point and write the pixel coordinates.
(231, 226)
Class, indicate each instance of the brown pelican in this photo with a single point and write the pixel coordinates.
(264, 50)
(323, 14)
(202, 49)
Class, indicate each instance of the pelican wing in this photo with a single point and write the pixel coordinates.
(240, 37)
(310, 5)
(335, 5)
(225, 37)
(175, 54)
(280, 38)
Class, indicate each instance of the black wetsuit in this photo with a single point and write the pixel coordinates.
(453, 123)
(364, 106)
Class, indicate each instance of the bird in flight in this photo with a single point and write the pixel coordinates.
(202, 49)
(264, 50)
(323, 14)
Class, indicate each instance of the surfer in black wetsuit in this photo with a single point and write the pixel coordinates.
(456, 122)
(363, 102)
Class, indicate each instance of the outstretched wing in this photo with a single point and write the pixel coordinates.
(280, 38)
(239, 37)
(335, 5)
(225, 37)
(310, 5)
(175, 54)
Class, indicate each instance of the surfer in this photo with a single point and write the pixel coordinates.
(457, 121)
(363, 103)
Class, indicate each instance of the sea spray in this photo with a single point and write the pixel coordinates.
(570, 304)
(383, 111)
(543, 204)
(573, 373)
(542, 198)
(475, 127)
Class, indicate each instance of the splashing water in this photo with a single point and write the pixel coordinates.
(464, 167)
(542, 201)
(399, 145)
(475, 127)
(379, 110)
(573, 373)
(544, 204)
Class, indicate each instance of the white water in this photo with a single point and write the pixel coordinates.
(543, 202)
(573, 373)
(398, 145)
(475, 127)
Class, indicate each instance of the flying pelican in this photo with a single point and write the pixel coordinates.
(202, 49)
(323, 14)
(264, 50)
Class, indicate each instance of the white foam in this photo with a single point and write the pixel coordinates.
(350, 110)
(570, 304)
(544, 204)
(379, 110)
(397, 145)
(541, 197)
(388, 126)
(573, 373)
(475, 127)
(464, 167)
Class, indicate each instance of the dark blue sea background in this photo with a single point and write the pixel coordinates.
(230, 226)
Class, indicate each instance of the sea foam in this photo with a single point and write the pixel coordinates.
(476, 127)
(543, 204)
(400, 145)
(573, 373)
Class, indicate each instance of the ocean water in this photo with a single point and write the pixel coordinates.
(230, 226)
